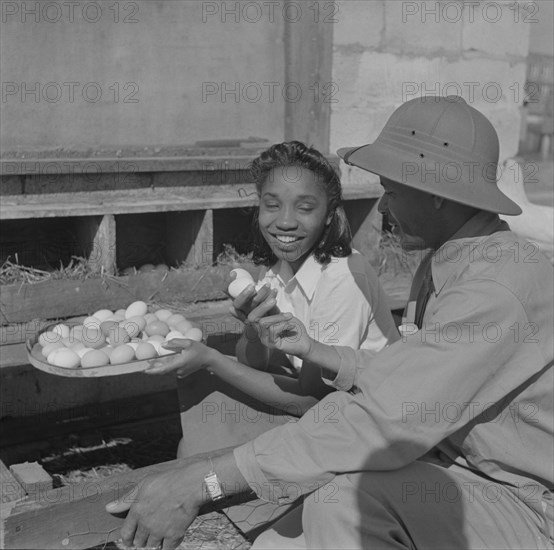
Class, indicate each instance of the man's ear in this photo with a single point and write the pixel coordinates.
(438, 202)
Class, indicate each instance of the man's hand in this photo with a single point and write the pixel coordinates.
(285, 333)
(161, 508)
(193, 356)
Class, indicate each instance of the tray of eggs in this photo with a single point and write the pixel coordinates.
(109, 343)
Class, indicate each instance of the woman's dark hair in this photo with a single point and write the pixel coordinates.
(336, 239)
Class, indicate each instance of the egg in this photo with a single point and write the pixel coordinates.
(149, 317)
(134, 345)
(103, 314)
(174, 334)
(95, 358)
(107, 350)
(106, 326)
(183, 326)
(156, 338)
(76, 346)
(175, 319)
(49, 348)
(93, 337)
(91, 322)
(62, 330)
(76, 333)
(120, 312)
(66, 342)
(117, 336)
(161, 267)
(163, 314)
(134, 325)
(83, 351)
(145, 350)
(136, 309)
(241, 274)
(122, 354)
(238, 285)
(64, 357)
(146, 268)
(157, 327)
(194, 334)
(118, 317)
(49, 337)
(163, 351)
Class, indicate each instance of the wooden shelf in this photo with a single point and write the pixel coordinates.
(138, 201)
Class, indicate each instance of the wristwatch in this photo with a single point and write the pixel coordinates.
(213, 486)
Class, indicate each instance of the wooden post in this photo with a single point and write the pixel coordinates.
(98, 237)
(309, 88)
(190, 237)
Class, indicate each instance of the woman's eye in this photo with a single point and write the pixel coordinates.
(305, 208)
(271, 206)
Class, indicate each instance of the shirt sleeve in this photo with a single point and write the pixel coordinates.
(464, 354)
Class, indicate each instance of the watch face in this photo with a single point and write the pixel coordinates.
(213, 486)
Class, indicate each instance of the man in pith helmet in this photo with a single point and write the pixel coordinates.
(442, 440)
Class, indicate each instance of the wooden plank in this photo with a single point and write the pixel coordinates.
(10, 488)
(308, 76)
(167, 199)
(67, 298)
(74, 517)
(32, 477)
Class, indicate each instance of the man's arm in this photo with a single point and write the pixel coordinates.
(164, 505)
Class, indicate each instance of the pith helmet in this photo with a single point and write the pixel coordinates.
(440, 145)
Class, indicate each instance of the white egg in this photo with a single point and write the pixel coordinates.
(174, 334)
(175, 319)
(122, 354)
(103, 314)
(194, 334)
(133, 325)
(241, 274)
(64, 357)
(49, 337)
(163, 314)
(62, 330)
(95, 358)
(134, 345)
(76, 346)
(163, 351)
(146, 350)
(136, 309)
(92, 322)
(238, 285)
(49, 348)
(83, 351)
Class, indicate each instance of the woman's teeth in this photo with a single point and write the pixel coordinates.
(286, 238)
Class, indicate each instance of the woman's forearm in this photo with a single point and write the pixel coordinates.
(281, 392)
(250, 350)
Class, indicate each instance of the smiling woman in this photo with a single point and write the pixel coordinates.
(303, 240)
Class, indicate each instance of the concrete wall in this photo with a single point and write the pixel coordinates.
(149, 61)
(389, 52)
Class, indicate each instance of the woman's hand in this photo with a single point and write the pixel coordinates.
(193, 356)
(285, 333)
(251, 305)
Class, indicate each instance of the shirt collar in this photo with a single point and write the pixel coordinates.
(306, 277)
(446, 258)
